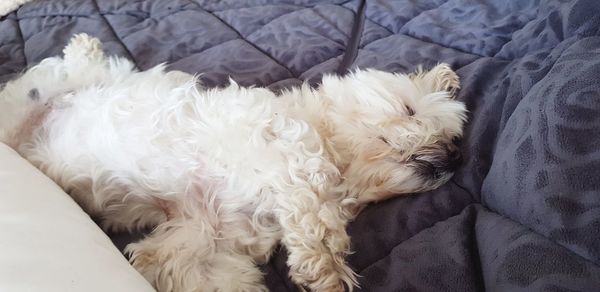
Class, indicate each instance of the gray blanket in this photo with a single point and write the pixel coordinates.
(521, 214)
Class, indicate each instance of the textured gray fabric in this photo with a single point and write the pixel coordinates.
(521, 214)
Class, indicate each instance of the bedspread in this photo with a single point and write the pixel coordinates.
(523, 211)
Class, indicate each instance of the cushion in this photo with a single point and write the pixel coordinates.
(48, 243)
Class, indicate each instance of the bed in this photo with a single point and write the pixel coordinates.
(523, 211)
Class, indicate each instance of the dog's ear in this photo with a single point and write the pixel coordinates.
(439, 78)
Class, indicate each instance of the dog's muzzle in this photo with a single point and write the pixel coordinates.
(436, 164)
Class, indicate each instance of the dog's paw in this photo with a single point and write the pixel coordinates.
(322, 279)
(321, 271)
(83, 47)
(446, 79)
(177, 257)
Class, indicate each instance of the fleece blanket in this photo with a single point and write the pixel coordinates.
(523, 211)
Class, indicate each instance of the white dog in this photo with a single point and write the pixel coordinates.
(226, 174)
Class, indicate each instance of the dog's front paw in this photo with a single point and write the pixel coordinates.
(322, 273)
(317, 245)
(320, 265)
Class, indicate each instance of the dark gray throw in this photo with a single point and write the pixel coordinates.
(523, 211)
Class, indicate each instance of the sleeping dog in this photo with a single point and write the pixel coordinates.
(224, 175)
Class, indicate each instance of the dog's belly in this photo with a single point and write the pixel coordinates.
(235, 145)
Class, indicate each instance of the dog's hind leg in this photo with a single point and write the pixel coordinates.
(83, 50)
(132, 213)
(83, 64)
(188, 254)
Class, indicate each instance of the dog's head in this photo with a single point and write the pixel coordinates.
(396, 134)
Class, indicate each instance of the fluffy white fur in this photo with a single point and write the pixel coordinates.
(8, 6)
(226, 174)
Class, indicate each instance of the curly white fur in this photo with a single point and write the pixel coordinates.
(226, 174)
(8, 6)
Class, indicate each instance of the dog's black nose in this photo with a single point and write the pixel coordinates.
(453, 155)
(454, 159)
(445, 161)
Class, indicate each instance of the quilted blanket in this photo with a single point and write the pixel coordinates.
(523, 211)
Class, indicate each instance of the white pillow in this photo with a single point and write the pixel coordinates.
(47, 243)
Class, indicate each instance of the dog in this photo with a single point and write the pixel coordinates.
(224, 175)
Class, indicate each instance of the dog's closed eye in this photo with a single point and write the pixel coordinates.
(410, 111)
(383, 139)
